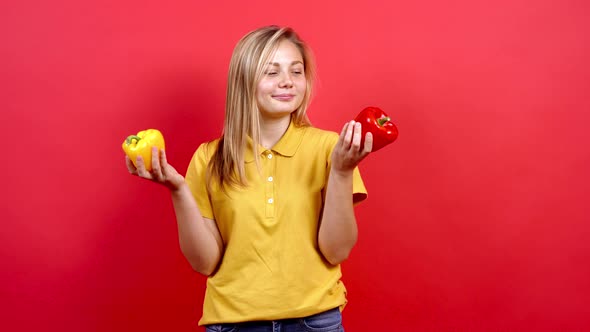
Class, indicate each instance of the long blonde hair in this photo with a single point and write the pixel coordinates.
(242, 116)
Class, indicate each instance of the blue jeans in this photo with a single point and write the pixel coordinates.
(327, 321)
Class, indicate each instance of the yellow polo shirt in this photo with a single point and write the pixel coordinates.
(272, 267)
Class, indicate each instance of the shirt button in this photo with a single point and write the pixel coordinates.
(269, 156)
(270, 200)
(270, 179)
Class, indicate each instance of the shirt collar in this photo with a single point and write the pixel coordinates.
(286, 146)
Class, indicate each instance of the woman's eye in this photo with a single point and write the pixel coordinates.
(271, 73)
(298, 72)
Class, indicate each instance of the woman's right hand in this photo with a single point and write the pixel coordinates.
(162, 172)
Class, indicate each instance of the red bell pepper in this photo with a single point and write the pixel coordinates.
(374, 120)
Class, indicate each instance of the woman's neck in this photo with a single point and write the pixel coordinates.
(271, 130)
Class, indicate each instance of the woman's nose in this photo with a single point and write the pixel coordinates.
(286, 81)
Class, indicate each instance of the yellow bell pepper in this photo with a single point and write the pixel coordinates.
(141, 145)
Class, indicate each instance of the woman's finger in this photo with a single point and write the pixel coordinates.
(368, 143)
(141, 169)
(348, 135)
(164, 164)
(343, 134)
(356, 138)
(130, 167)
(156, 167)
(163, 161)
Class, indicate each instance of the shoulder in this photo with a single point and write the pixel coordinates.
(318, 135)
(318, 142)
(207, 149)
(204, 152)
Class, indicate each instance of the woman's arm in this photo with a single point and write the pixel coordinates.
(199, 238)
(338, 229)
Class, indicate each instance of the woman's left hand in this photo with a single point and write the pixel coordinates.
(348, 152)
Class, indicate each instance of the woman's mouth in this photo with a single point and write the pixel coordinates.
(283, 97)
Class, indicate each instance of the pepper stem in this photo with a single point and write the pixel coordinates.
(381, 121)
(130, 138)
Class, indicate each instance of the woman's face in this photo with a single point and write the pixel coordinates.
(282, 87)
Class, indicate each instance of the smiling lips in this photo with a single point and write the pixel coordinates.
(283, 97)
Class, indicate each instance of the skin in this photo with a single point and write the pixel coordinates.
(338, 231)
(279, 93)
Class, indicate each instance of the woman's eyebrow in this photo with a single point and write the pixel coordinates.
(292, 63)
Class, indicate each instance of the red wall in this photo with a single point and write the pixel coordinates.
(477, 218)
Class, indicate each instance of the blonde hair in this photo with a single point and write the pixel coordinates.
(242, 116)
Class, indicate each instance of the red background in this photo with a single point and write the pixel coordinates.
(477, 218)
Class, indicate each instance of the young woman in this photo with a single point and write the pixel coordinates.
(266, 210)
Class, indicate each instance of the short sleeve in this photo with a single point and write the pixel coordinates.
(196, 178)
(359, 192)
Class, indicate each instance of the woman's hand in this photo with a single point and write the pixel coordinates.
(348, 152)
(162, 172)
